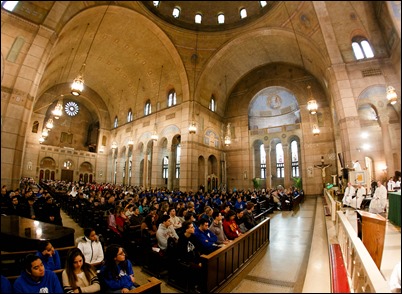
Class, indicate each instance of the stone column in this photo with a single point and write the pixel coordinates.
(268, 166)
(156, 178)
(145, 171)
(287, 165)
(171, 167)
(386, 140)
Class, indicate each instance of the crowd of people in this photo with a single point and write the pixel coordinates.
(198, 223)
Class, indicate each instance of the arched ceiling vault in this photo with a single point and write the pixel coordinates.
(116, 60)
(239, 57)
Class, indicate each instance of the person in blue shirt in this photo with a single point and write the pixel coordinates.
(5, 285)
(240, 204)
(206, 239)
(49, 256)
(117, 272)
(35, 278)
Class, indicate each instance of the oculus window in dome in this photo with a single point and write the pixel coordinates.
(71, 108)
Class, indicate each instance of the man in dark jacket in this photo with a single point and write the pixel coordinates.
(248, 216)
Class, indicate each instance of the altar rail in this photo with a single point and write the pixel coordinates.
(331, 204)
(365, 277)
(219, 266)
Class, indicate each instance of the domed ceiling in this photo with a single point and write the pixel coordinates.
(209, 10)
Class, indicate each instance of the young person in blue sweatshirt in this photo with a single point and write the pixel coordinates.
(206, 239)
(117, 272)
(5, 285)
(49, 256)
(36, 279)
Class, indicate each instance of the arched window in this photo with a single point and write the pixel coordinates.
(171, 98)
(165, 166)
(221, 18)
(212, 104)
(116, 123)
(178, 152)
(263, 158)
(280, 167)
(147, 108)
(294, 150)
(176, 12)
(243, 13)
(35, 127)
(361, 48)
(129, 116)
(198, 18)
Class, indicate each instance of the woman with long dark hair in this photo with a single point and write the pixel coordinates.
(79, 276)
(117, 273)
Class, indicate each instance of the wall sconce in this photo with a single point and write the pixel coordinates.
(130, 142)
(41, 140)
(245, 175)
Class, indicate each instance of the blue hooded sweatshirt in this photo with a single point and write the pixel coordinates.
(124, 280)
(51, 263)
(5, 285)
(48, 284)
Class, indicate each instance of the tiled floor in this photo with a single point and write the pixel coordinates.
(296, 260)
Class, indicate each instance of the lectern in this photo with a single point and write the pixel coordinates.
(371, 230)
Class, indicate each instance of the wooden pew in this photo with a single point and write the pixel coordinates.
(152, 287)
(11, 262)
(223, 263)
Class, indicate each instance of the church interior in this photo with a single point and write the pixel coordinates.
(185, 94)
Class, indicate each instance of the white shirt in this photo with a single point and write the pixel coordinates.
(391, 185)
(356, 166)
(92, 250)
(395, 279)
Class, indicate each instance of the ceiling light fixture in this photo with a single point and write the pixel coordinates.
(391, 95)
(78, 84)
(154, 135)
(49, 123)
(228, 136)
(312, 105)
(192, 129)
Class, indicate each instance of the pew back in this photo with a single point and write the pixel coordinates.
(11, 262)
(220, 265)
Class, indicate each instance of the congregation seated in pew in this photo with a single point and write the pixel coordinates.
(35, 278)
(91, 247)
(49, 256)
(184, 200)
(78, 275)
(117, 274)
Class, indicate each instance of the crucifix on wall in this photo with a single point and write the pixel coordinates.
(322, 166)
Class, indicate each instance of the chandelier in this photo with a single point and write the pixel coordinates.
(192, 128)
(78, 84)
(58, 110)
(391, 95)
(49, 123)
(312, 106)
